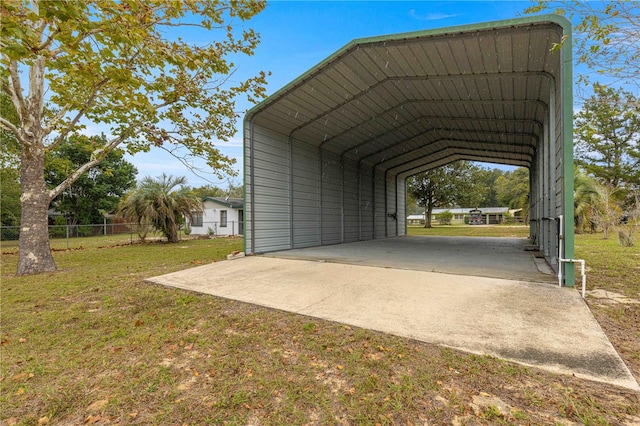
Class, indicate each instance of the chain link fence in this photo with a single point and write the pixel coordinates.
(62, 236)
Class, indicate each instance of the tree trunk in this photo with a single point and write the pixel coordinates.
(427, 216)
(34, 249)
(172, 232)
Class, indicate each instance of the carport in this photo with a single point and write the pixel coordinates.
(328, 155)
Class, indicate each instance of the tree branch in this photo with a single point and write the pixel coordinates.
(79, 115)
(55, 119)
(97, 156)
(15, 90)
(192, 168)
(13, 129)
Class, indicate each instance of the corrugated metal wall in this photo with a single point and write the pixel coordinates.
(331, 199)
(268, 187)
(306, 196)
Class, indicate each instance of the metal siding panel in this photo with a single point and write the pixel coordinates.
(271, 190)
(331, 198)
(350, 200)
(306, 196)
(390, 196)
(366, 203)
(380, 212)
(402, 206)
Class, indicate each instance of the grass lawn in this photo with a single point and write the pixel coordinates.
(93, 343)
(472, 231)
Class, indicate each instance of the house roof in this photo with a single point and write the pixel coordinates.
(234, 203)
(411, 102)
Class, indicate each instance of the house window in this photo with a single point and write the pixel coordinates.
(196, 219)
(223, 218)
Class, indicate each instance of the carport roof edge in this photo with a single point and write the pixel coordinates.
(310, 73)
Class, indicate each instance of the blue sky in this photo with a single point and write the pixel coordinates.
(296, 35)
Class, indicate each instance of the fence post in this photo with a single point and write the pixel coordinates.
(67, 227)
(130, 234)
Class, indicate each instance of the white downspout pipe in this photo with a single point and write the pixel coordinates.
(561, 261)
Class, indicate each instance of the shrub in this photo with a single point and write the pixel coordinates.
(445, 217)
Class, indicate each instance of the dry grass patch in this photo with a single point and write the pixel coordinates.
(93, 343)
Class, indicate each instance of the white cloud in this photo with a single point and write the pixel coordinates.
(430, 16)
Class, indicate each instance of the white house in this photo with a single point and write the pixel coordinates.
(489, 215)
(219, 216)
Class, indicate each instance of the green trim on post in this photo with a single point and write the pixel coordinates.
(244, 187)
(567, 110)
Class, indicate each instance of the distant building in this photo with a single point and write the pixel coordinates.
(219, 216)
(483, 215)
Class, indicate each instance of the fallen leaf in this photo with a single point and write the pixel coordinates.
(97, 405)
(139, 323)
(212, 372)
(195, 373)
(340, 367)
(92, 419)
(133, 415)
(19, 377)
(22, 340)
(4, 342)
(188, 347)
(351, 391)
(43, 420)
(20, 391)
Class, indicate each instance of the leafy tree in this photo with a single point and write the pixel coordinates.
(512, 189)
(446, 186)
(233, 190)
(9, 197)
(99, 190)
(9, 147)
(607, 133)
(606, 36)
(489, 178)
(9, 172)
(66, 64)
(586, 201)
(161, 203)
(608, 212)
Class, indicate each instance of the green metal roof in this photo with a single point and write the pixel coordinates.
(414, 101)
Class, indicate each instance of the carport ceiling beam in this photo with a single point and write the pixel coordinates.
(435, 118)
(365, 91)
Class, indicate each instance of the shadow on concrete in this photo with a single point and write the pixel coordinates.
(477, 256)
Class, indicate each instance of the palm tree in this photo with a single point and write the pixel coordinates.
(586, 200)
(160, 203)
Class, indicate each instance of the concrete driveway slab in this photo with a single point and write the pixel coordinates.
(535, 324)
(496, 257)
